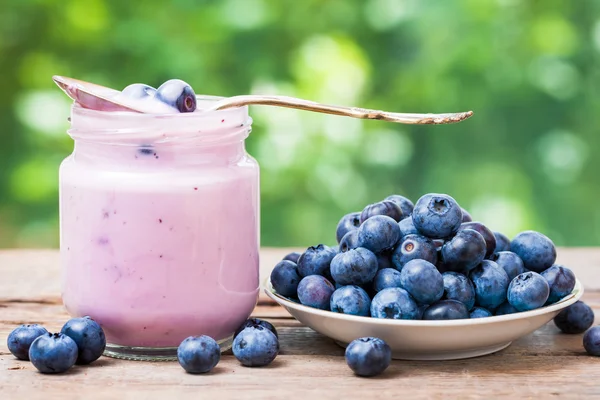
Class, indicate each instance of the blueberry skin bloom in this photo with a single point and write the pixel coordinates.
(535, 249)
(505, 309)
(502, 242)
(255, 322)
(423, 281)
(178, 94)
(413, 247)
(348, 222)
(491, 283)
(368, 356)
(407, 227)
(315, 291)
(386, 278)
(394, 303)
(20, 339)
(561, 281)
(458, 287)
(446, 309)
(255, 347)
(488, 235)
(576, 318)
(480, 312)
(352, 300)
(464, 251)
(53, 353)
(88, 336)
(384, 207)
(379, 233)
(437, 216)
(349, 241)
(528, 291)
(354, 267)
(293, 257)
(510, 262)
(198, 354)
(285, 278)
(405, 204)
(591, 341)
(315, 260)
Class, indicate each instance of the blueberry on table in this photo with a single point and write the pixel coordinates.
(506, 308)
(348, 222)
(535, 249)
(315, 260)
(405, 204)
(138, 91)
(255, 347)
(561, 281)
(198, 354)
(354, 267)
(491, 283)
(384, 207)
(386, 278)
(458, 287)
(591, 341)
(293, 257)
(407, 227)
(368, 356)
(464, 251)
(502, 242)
(285, 278)
(466, 217)
(253, 323)
(53, 353)
(446, 309)
(349, 241)
(576, 318)
(178, 94)
(394, 303)
(488, 235)
(480, 312)
(437, 216)
(352, 300)
(315, 291)
(413, 247)
(88, 336)
(510, 262)
(423, 281)
(379, 233)
(20, 339)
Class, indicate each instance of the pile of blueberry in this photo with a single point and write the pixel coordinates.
(174, 93)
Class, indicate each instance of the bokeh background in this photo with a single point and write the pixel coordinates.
(529, 69)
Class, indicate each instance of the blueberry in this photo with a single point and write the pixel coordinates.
(528, 291)
(491, 283)
(293, 257)
(423, 281)
(384, 260)
(146, 150)
(177, 93)
(198, 354)
(405, 204)
(352, 300)
(384, 207)
(88, 336)
(446, 309)
(506, 308)
(576, 318)
(255, 347)
(488, 235)
(466, 217)
(315, 291)
(480, 312)
(413, 247)
(349, 241)
(354, 267)
(253, 323)
(535, 249)
(386, 278)
(53, 353)
(407, 227)
(464, 251)
(561, 281)
(138, 91)
(315, 260)
(460, 288)
(394, 303)
(349, 222)
(502, 242)
(20, 339)
(591, 341)
(510, 262)
(285, 278)
(438, 243)
(368, 356)
(379, 233)
(437, 216)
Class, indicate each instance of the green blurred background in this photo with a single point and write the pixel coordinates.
(529, 70)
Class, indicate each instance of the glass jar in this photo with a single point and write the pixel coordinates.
(159, 227)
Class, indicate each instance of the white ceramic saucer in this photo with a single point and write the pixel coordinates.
(428, 340)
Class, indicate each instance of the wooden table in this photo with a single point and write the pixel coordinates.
(545, 364)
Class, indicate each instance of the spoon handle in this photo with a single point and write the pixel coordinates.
(355, 112)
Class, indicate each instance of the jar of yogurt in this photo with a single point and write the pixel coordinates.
(159, 218)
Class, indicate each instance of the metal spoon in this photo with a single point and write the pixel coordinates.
(97, 97)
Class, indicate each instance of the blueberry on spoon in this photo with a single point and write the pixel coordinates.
(138, 91)
(178, 94)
